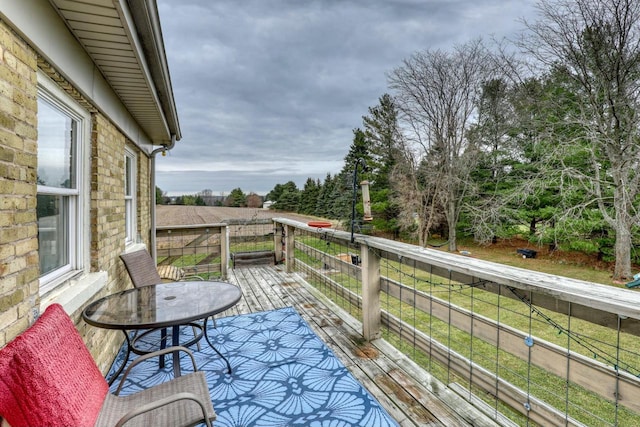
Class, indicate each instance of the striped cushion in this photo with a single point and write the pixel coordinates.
(170, 272)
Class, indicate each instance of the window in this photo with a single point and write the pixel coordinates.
(130, 196)
(62, 131)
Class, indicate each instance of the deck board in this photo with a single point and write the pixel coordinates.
(402, 389)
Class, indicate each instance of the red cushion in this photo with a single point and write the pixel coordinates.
(48, 377)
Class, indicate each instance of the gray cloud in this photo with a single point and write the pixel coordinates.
(269, 91)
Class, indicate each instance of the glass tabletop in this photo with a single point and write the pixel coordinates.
(162, 305)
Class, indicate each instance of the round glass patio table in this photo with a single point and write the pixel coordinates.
(164, 305)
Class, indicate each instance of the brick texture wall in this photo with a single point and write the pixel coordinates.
(144, 197)
(19, 263)
(19, 268)
(107, 193)
(107, 227)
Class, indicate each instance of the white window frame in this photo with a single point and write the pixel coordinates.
(130, 196)
(78, 199)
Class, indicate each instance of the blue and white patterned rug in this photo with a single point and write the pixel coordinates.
(283, 375)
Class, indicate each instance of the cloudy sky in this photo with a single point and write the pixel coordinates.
(269, 91)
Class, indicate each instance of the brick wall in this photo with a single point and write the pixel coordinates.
(144, 198)
(19, 268)
(107, 227)
(19, 263)
(107, 193)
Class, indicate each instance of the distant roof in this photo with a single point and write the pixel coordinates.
(168, 215)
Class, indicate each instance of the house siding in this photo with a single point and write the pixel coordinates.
(19, 263)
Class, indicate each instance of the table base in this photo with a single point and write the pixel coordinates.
(175, 341)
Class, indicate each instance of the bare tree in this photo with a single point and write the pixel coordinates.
(414, 192)
(207, 196)
(596, 44)
(437, 94)
(254, 200)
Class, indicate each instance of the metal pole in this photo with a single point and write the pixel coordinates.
(355, 193)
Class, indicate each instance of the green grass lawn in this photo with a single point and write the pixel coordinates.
(562, 263)
(515, 313)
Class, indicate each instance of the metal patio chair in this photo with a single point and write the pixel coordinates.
(141, 268)
(143, 271)
(48, 377)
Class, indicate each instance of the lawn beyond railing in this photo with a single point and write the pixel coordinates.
(537, 348)
(205, 250)
(200, 250)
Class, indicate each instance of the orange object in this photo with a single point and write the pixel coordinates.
(319, 224)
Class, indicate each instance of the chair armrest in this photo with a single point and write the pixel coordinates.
(162, 402)
(154, 354)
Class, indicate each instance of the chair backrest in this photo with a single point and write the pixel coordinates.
(141, 268)
(48, 377)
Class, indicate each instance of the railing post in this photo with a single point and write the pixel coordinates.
(277, 241)
(289, 247)
(371, 315)
(224, 250)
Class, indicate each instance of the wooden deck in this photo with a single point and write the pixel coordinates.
(409, 394)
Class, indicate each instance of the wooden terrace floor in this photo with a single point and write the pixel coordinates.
(408, 393)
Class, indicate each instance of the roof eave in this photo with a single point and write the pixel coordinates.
(146, 21)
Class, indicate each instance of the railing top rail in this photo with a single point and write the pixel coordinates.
(191, 226)
(623, 302)
(253, 221)
(338, 233)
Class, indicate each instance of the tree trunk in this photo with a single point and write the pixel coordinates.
(622, 270)
(422, 233)
(623, 223)
(452, 222)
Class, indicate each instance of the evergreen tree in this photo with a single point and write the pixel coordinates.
(285, 197)
(275, 193)
(341, 197)
(356, 165)
(359, 149)
(383, 136)
(596, 45)
(309, 197)
(491, 185)
(323, 201)
(160, 198)
(236, 198)
(289, 201)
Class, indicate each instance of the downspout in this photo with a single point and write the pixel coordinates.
(152, 237)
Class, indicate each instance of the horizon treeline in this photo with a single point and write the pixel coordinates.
(236, 198)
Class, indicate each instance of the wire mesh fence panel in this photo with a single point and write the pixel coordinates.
(196, 250)
(536, 355)
(251, 242)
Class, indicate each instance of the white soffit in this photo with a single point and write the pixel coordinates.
(104, 29)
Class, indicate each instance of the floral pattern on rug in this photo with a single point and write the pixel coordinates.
(283, 375)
